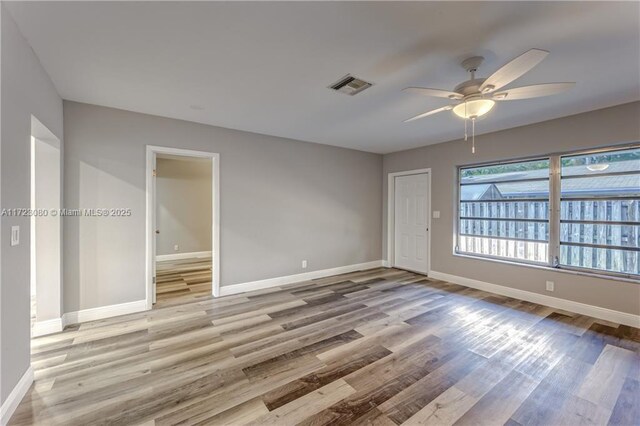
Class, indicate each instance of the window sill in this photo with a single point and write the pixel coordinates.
(549, 268)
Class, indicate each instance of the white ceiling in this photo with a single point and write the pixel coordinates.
(264, 67)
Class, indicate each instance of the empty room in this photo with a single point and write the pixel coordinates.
(319, 213)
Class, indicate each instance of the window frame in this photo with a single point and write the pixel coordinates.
(554, 212)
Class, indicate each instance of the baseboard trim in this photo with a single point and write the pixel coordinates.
(290, 279)
(42, 328)
(542, 299)
(178, 256)
(19, 391)
(103, 312)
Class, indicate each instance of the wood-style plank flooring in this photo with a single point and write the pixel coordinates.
(181, 281)
(378, 347)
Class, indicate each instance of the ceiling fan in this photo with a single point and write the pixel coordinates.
(477, 96)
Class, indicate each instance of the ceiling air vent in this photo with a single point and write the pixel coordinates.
(350, 85)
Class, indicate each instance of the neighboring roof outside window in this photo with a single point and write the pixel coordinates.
(590, 183)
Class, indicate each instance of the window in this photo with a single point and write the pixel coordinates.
(505, 211)
(600, 211)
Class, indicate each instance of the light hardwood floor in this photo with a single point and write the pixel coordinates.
(378, 347)
(181, 281)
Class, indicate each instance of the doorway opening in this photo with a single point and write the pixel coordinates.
(182, 226)
(409, 220)
(45, 231)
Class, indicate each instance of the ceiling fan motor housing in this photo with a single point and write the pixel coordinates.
(469, 87)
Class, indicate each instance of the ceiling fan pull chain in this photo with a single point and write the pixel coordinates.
(473, 135)
(465, 130)
(465, 121)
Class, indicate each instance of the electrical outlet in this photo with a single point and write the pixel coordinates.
(436, 214)
(15, 235)
(550, 286)
(304, 264)
(176, 247)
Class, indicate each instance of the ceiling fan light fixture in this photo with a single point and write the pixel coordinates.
(473, 108)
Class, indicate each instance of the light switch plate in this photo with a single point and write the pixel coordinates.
(15, 235)
(436, 214)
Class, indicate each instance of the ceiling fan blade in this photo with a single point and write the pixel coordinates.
(438, 93)
(535, 91)
(425, 114)
(514, 69)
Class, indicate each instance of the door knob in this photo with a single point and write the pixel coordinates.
(157, 231)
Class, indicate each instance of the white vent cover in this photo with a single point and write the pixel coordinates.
(350, 85)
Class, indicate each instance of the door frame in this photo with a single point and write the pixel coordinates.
(151, 152)
(51, 281)
(391, 212)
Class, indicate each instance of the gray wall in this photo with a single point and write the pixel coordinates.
(592, 129)
(26, 90)
(183, 203)
(281, 201)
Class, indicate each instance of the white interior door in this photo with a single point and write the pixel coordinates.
(412, 222)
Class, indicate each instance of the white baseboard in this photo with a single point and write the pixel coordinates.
(542, 299)
(103, 312)
(41, 328)
(290, 279)
(178, 256)
(19, 391)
